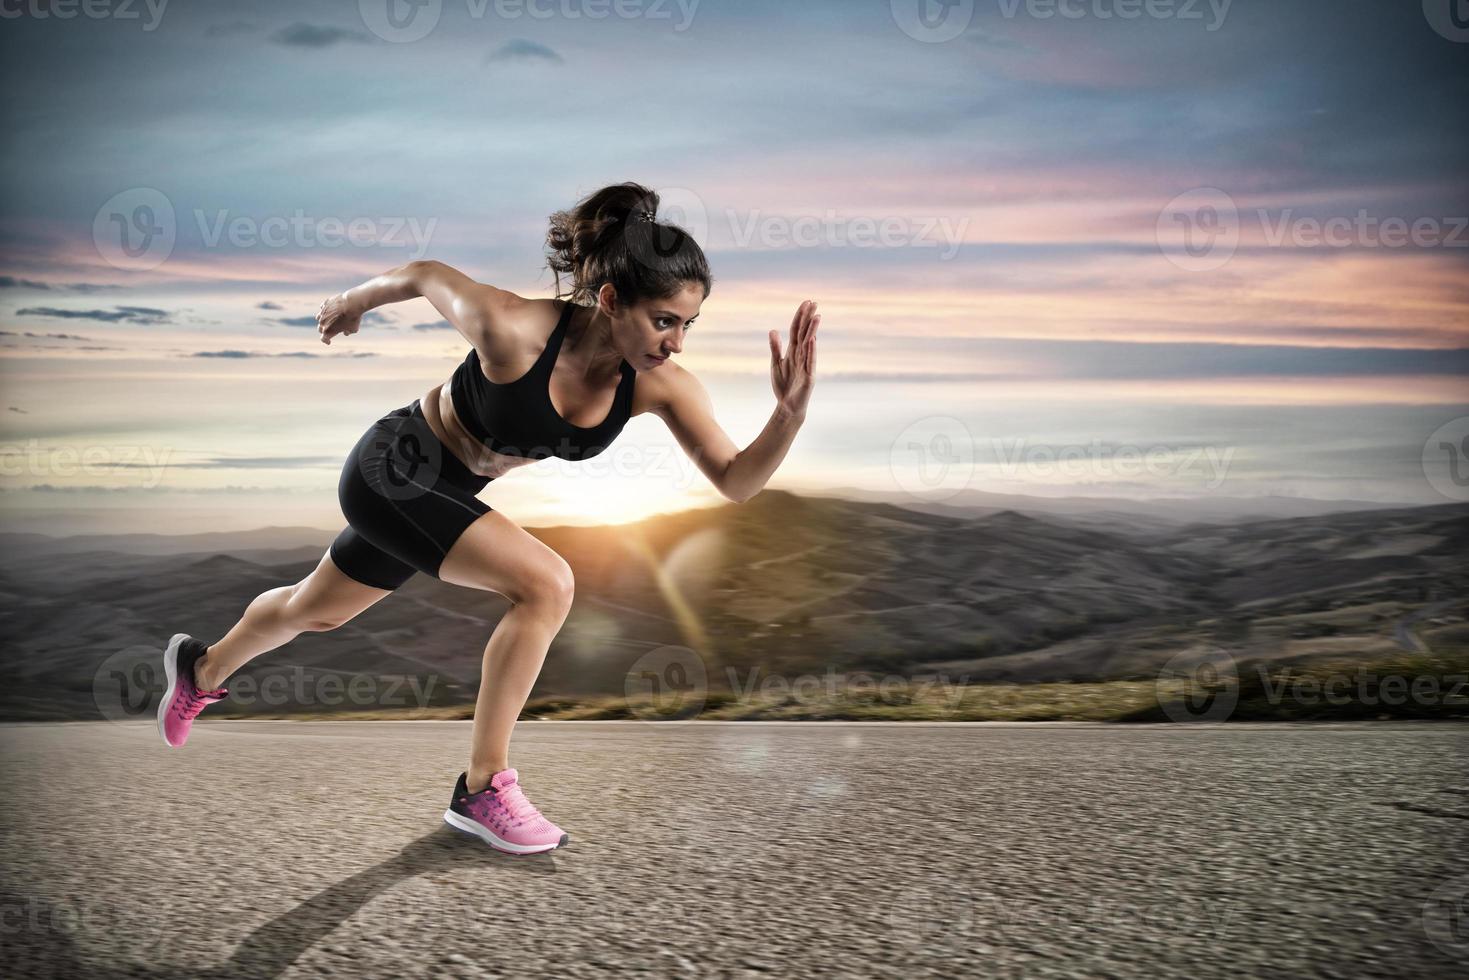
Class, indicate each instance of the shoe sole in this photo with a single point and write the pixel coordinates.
(171, 671)
(469, 826)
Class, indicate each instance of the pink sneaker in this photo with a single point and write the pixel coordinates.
(182, 701)
(502, 817)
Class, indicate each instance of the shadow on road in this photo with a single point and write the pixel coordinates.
(269, 950)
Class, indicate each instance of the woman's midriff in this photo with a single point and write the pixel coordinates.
(438, 411)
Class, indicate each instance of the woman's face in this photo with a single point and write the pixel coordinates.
(652, 330)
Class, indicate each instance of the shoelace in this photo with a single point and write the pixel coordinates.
(194, 700)
(520, 808)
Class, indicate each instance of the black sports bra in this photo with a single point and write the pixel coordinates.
(518, 418)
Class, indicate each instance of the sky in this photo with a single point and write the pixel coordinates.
(1068, 248)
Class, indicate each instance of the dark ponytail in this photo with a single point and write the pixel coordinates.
(613, 236)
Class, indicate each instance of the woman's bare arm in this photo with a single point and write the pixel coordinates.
(468, 306)
(739, 474)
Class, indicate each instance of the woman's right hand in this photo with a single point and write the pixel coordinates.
(335, 317)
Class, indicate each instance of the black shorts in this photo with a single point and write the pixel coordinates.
(406, 498)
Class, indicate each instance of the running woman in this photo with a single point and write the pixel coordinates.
(543, 377)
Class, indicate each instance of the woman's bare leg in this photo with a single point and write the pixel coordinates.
(495, 554)
(323, 600)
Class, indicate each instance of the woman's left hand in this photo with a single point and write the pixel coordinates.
(791, 375)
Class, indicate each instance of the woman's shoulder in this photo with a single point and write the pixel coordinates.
(659, 387)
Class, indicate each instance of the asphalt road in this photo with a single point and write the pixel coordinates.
(281, 849)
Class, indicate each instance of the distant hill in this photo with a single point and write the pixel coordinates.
(783, 584)
(24, 545)
(1154, 510)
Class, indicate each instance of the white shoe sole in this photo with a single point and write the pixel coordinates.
(483, 833)
(171, 671)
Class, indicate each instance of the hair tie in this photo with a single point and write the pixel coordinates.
(644, 216)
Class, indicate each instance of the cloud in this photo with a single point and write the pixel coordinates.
(45, 336)
(244, 462)
(11, 282)
(299, 35)
(371, 317)
(241, 354)
(20, 410)
(268, 305)
(519, 49)
(435, 325)
(118, 314)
